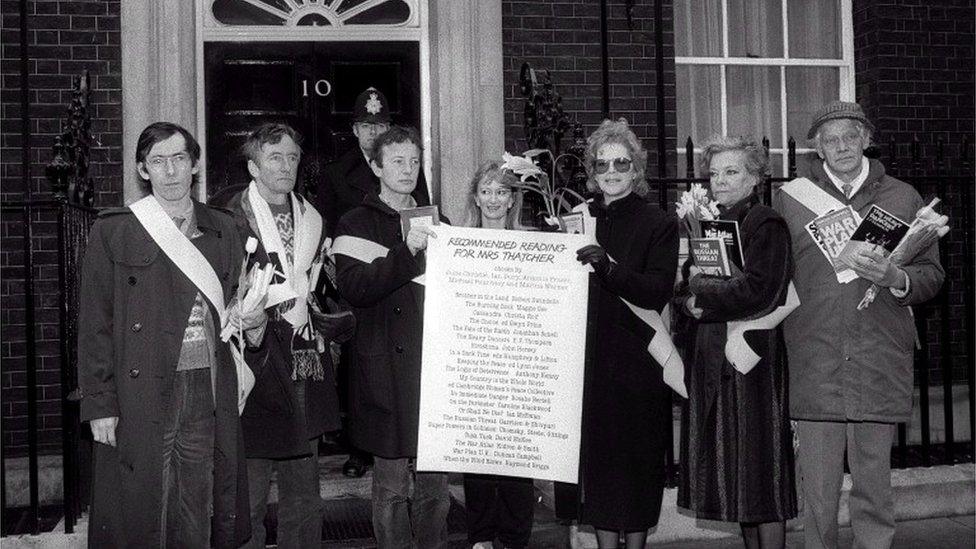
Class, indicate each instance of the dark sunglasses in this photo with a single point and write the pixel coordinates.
(620, 165)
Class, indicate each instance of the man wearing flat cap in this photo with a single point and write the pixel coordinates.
(850, 370)
(345, 183)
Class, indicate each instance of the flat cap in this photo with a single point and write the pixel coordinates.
(836, 110)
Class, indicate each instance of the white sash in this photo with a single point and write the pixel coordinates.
(197, 269)
(737, 351)
(307, 230)
(364, 250)
(811, 196)
(661, 348)
(819, 202)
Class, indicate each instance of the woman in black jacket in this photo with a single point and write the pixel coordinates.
(626, 409)
(736, 446)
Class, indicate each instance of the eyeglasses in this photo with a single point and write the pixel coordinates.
(620, 165)
(158, 163)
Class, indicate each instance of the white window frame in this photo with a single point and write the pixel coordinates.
(415, 29)
(846, 78)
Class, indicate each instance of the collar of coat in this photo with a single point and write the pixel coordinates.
(615, 208)
(739, 210)
(874, 181)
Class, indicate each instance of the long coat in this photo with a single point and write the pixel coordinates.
(847, 364)
(347, 181)
(736, 445)
(275, 423)
(134, 308)
(384, 392)
(626, 404)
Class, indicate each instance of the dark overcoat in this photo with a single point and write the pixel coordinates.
(133, 312)
(275, 423)
(626, 404)
(736, 443)
(347, 181)
(384, 399)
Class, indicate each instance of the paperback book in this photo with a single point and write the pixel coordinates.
(832, 231)
(728, 231)
(710, 255)
(421, 216)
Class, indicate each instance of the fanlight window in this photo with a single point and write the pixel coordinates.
(320, 13)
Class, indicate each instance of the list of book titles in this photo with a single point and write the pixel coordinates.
(504, 336)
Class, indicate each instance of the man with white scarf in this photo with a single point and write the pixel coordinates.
(294, 399)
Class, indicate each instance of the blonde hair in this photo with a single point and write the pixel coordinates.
(489, 172)
(756, 161)
(616, 133)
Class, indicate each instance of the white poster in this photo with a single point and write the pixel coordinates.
(504, 343)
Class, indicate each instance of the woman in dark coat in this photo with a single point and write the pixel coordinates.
(736, 446)
(626, 409)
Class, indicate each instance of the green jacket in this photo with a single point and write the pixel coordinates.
(847, 364)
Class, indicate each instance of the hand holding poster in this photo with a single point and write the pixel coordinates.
(504, 343)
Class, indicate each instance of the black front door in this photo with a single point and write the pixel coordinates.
(309, 85)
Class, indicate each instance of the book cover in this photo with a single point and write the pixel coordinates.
(881, 228)
(728, 231)
(710, 255)
(572, 223)
(421, 216)
(832, 231)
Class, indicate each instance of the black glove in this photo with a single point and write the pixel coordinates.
(338, 327)
(597, 257)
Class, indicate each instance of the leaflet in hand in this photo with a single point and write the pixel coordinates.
(832, 231)
(710, 255)
(881, 228)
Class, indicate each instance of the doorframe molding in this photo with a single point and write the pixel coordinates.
(461, 89)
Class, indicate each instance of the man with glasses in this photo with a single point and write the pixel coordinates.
(345, 183)
(159, 386)
(850, 370)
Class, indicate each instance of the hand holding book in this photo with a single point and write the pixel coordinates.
(925, 230)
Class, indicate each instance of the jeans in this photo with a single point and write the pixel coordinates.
(188, 450)
(409, 508)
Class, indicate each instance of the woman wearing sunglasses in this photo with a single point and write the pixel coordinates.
(626, 409)
(496, 506)
(736, 446)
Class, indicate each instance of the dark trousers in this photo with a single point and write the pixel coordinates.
(499, 506)
(188, 450)
(299, 503)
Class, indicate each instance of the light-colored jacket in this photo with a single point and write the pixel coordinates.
(847, 364)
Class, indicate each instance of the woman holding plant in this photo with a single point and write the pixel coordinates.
(626, 409)
(736, 446)
(496, 506)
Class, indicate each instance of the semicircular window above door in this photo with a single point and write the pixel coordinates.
(320, 13)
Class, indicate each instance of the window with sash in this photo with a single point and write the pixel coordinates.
(760, 68)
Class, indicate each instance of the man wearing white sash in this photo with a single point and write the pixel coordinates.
(850, 371)
(294, 399)
(158, 386)
(376, 267)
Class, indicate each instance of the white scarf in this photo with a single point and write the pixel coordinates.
(307, 229)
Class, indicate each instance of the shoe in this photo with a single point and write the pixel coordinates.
(483, 545)
(355, 466)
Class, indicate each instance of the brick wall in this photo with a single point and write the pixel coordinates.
(563, 36)
(64, 39)
(915, 78)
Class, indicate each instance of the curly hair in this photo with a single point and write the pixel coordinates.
(616, 133)
(756, 160)
(489, 172)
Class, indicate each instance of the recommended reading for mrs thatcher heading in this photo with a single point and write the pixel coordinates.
(504, 344)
